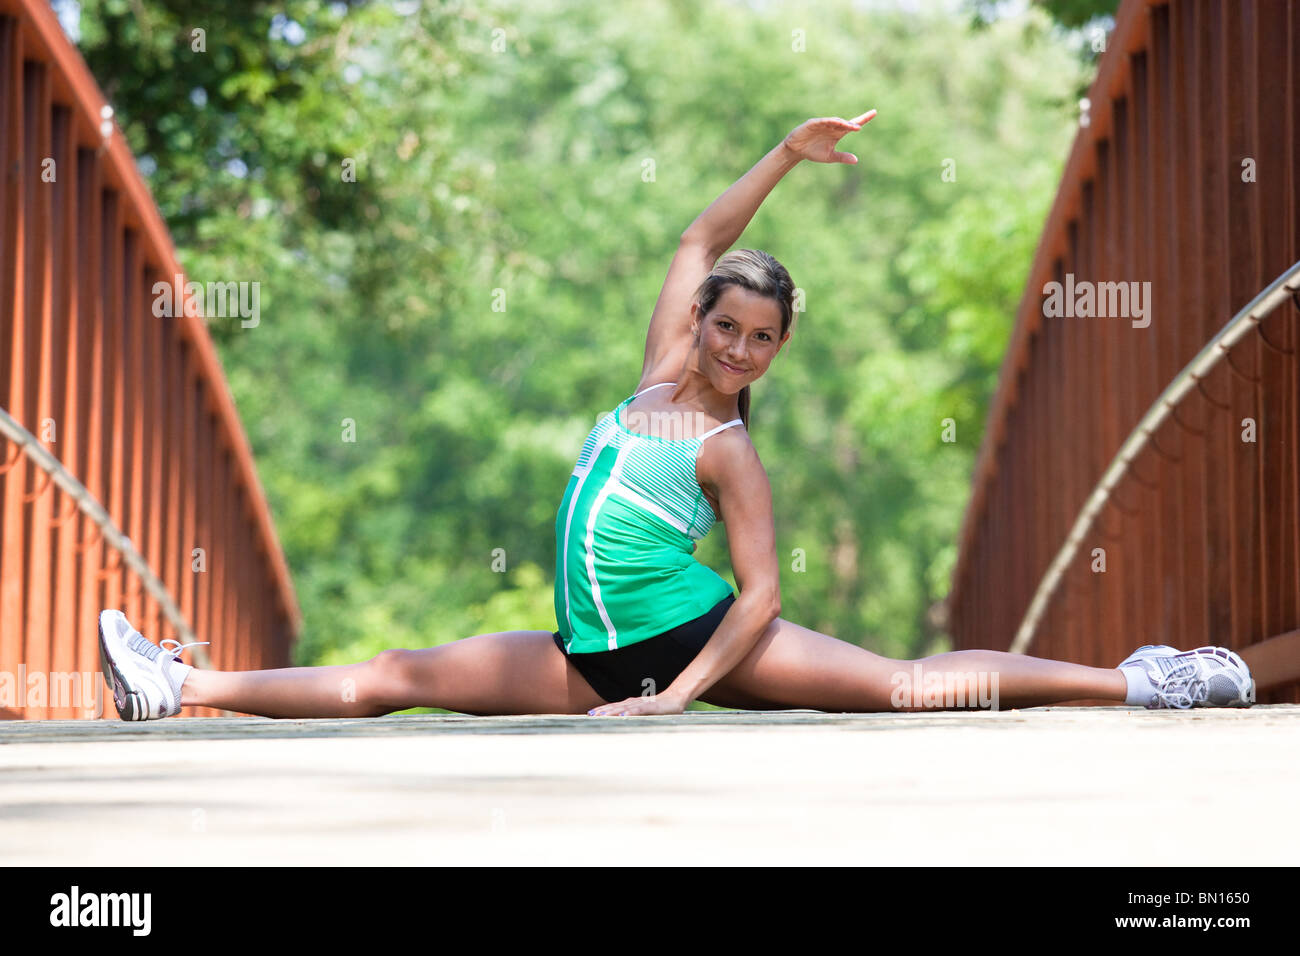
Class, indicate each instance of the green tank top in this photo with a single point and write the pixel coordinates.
(624, 532)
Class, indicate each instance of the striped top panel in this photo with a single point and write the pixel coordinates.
(658, 474)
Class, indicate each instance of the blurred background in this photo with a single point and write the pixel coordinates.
(460, 216)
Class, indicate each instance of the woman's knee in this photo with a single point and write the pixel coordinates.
(386, 681)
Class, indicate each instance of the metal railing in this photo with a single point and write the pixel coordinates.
(85, 502)
(126, 479)
(1184, 177)
(1283, 287)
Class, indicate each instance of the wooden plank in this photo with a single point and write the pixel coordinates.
(64, 644)
(187, 476)
(1291, 326)
(1185, 119)
(13, 390)
(1075, 478)
(1214, 308)
(1164, 317)
(92, 359)
(139, 434)
(170, 373)
(116, 473)
(1091, 585)
(1268, 129)
(153, 391)
(37, 498)
(1242, 503)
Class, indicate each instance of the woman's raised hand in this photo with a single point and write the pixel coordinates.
(816, 139)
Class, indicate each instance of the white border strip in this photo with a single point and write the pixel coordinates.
(1213, 352)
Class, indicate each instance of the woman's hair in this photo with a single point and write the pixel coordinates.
(758, 272)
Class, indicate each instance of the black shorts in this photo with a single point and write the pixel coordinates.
(647, 667)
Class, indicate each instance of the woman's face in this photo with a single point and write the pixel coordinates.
(737, 340)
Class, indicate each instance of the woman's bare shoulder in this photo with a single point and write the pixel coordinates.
(664, 368)
(728, 463)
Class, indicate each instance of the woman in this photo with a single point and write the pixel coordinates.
(644, 628)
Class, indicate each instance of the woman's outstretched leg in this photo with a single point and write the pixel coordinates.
(509, 672)
(350, 690)
(794, 667)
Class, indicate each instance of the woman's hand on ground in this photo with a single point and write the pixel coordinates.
(664, 703)
(815, 140)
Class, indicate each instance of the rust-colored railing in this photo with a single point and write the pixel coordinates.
(126, 479)
(1184, 175)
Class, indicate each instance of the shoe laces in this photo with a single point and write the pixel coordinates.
(1182, 687)
(176, 653)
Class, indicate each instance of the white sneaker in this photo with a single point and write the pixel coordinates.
(145, 679)
(1204, 677)
(1148, 650)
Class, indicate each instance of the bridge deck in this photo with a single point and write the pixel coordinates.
(1042, 785)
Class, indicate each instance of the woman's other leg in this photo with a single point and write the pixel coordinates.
(793, 667)
(509, 672)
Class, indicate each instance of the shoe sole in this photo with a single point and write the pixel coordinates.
(129, 703)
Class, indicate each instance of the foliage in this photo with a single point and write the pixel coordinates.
(1077, 13)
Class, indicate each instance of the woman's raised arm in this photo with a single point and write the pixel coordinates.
(726, 218)
(722, 223)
